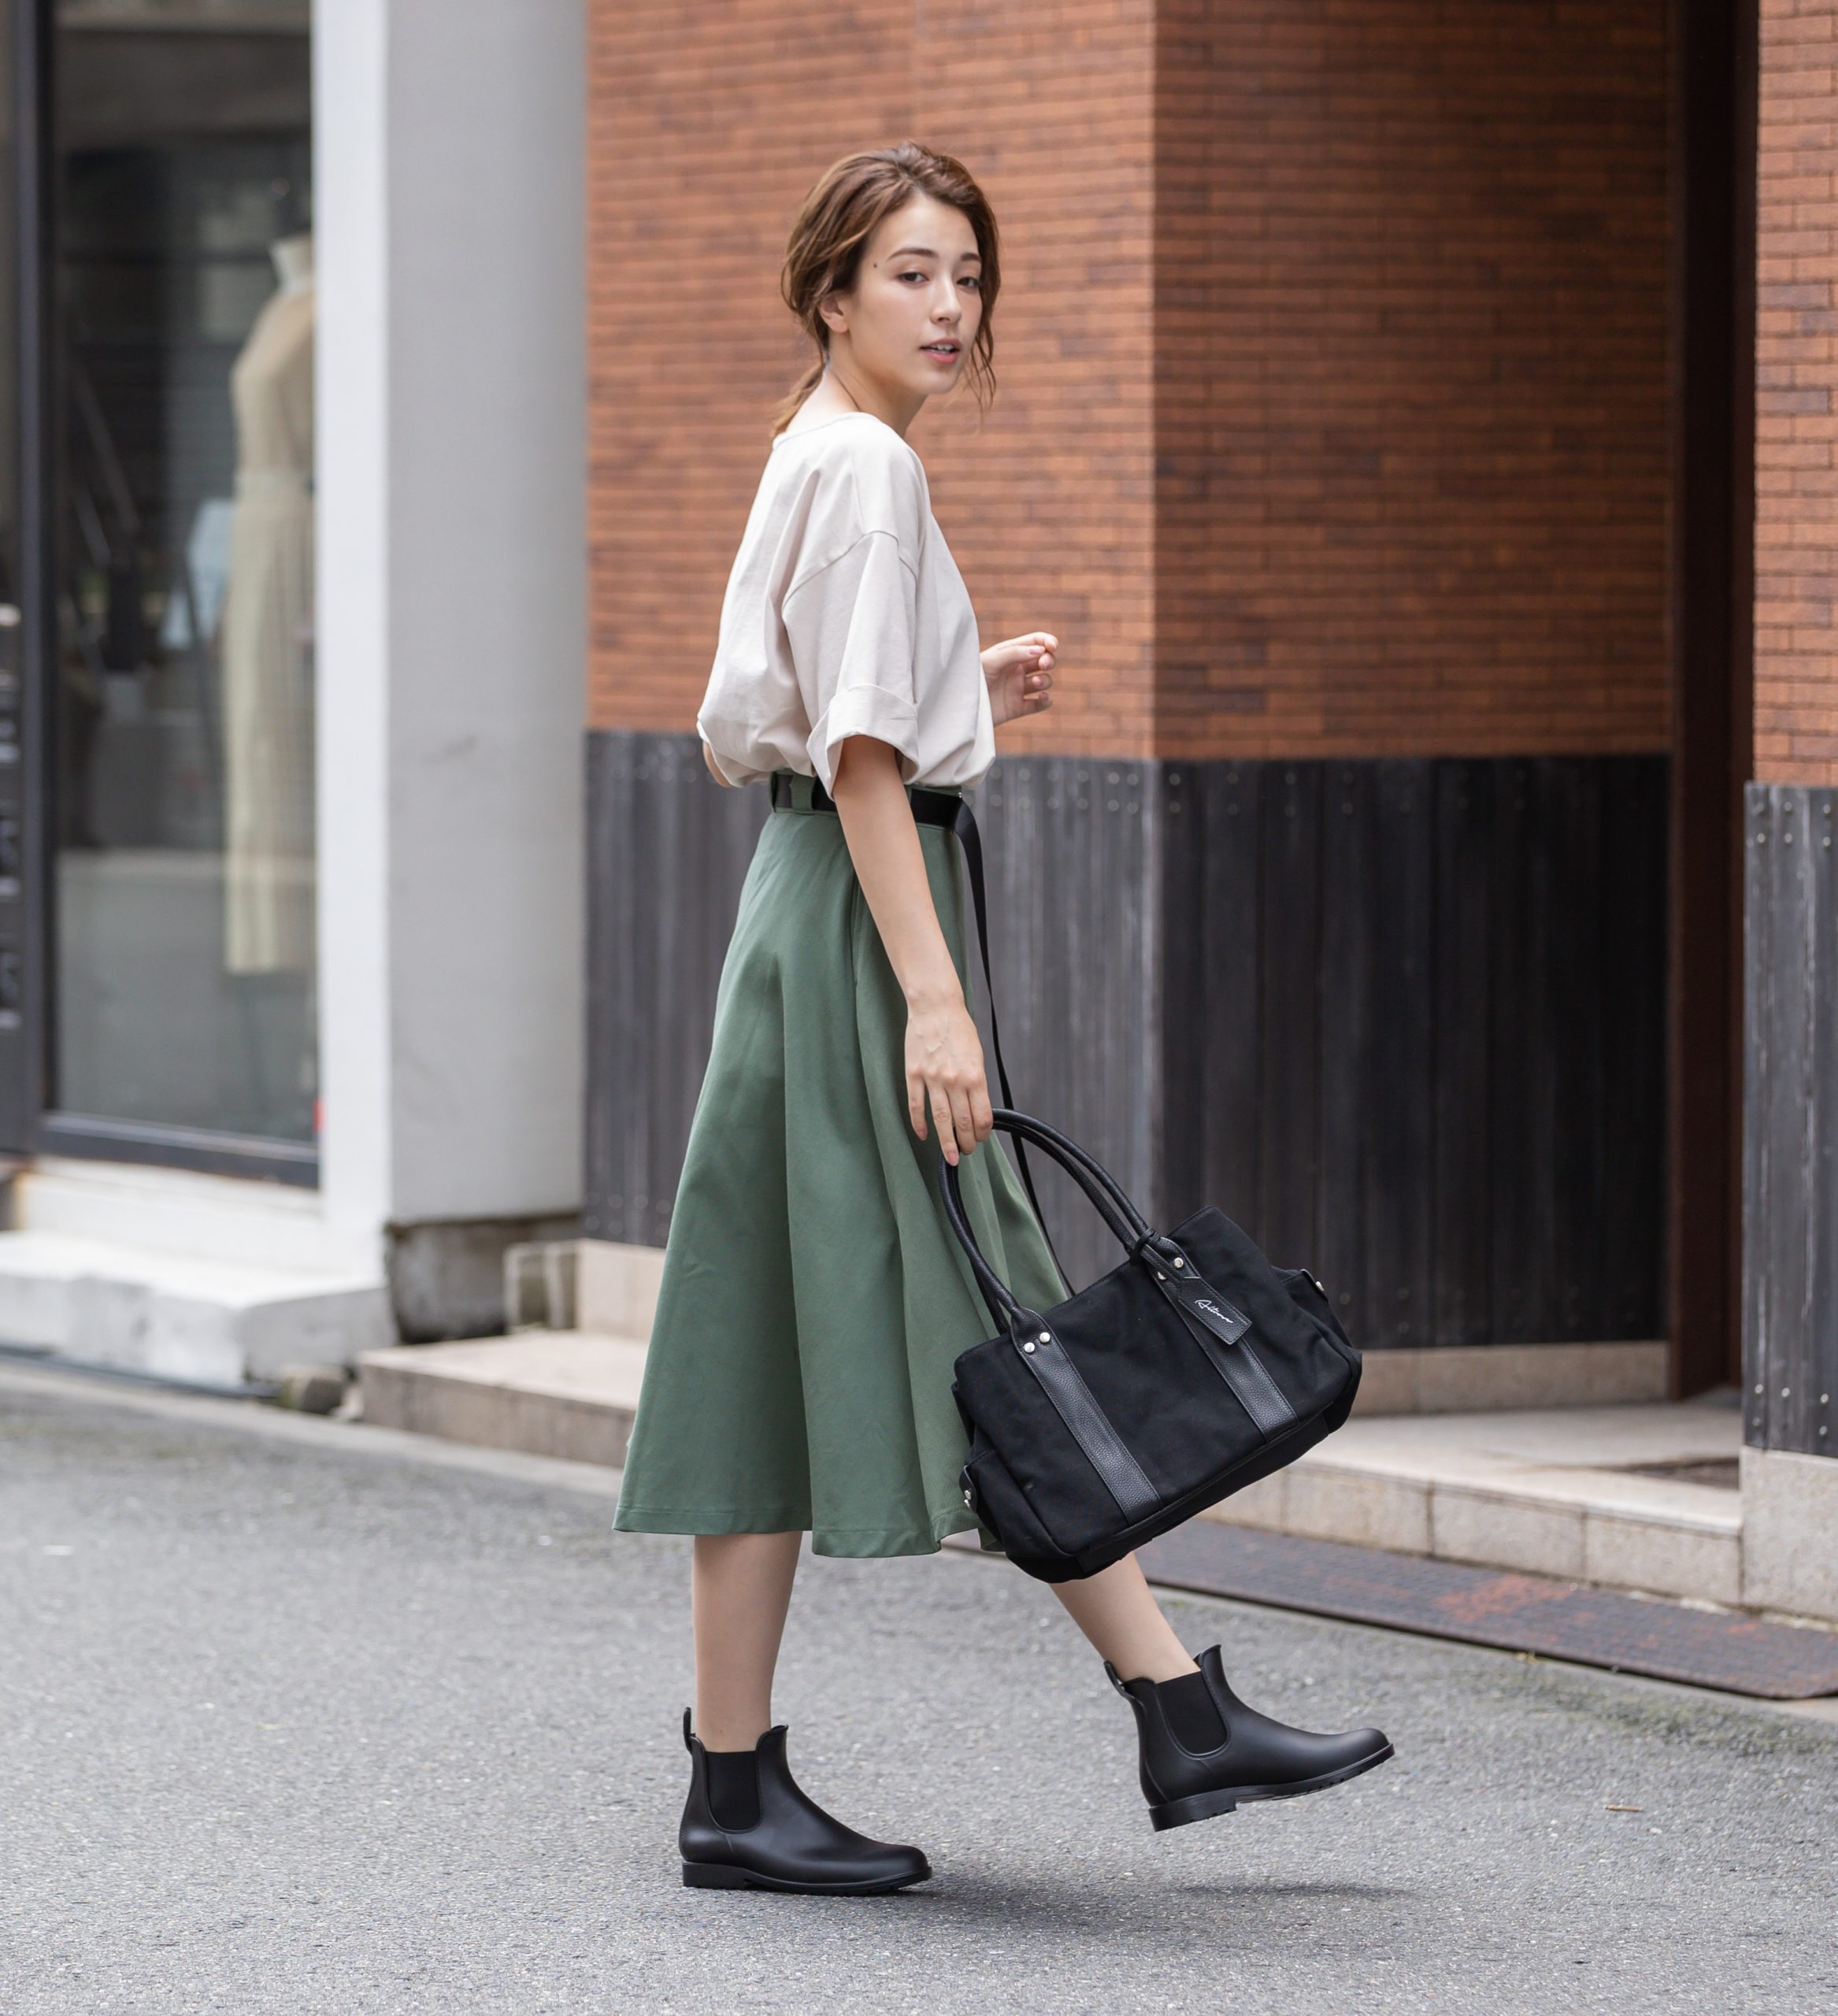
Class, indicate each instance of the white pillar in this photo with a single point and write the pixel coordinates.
(449, 202)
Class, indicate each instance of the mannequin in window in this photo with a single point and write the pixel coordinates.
(267, 636)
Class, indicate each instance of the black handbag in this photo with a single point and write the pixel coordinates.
(1188, 1372)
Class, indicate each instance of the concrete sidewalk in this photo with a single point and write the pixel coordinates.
(295, 1718)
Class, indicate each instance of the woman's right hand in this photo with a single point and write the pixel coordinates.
(944, 1064)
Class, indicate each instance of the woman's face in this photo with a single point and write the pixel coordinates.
(918, 301)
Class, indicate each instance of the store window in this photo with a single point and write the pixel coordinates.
(183, 990)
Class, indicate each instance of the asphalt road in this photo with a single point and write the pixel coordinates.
(294, 1718)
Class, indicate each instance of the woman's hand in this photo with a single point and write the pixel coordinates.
(944, 1062)
(1019, 674)
(944, 1051)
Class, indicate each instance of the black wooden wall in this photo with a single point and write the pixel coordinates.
(1414, 1036)
(1404, 1019)
(668, 849)
(1790, 1129)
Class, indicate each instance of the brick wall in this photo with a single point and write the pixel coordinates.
(708, 122)
(1332, 352)
(1411, 377)
(1796, 368)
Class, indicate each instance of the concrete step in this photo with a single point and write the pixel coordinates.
(180, 1314)
(567, 1393)
(1614, 1496)
(1611, 1495)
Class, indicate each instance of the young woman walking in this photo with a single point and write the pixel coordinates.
(813, 1297)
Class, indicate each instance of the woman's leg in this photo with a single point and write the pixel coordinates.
(1116, 1609)
(740, 1587)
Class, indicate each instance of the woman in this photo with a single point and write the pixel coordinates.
(813, 1297)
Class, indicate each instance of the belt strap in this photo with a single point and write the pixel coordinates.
(950, 810)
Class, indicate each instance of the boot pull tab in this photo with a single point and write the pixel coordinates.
(688, 1740)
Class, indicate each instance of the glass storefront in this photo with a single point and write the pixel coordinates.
(179, 416)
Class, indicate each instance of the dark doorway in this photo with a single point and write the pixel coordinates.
(1714, 65)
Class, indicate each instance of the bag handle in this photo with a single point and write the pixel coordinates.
(1108, 1197)
(1181, 1283)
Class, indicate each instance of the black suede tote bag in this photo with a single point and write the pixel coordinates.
(1190, 1370)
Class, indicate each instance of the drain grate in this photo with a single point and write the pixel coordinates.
(1482, 1607)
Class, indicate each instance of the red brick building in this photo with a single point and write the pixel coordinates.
(1387, 392)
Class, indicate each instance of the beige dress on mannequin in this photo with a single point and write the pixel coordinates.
(267, 638)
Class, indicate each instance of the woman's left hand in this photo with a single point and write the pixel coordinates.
(1020, 672)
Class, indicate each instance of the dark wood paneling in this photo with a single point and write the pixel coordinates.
(1403, 1020)
(1638, 1153)
(1377, 1106)
(1520, 1144)
(1188, 1063)
(1289, 985)
(1578, 1110)
(1070, 845)
(1462, 1117)
(1224, 1106)
(1790, 1132)
(668, 850)
(1350, 1011)
(1455, 1089)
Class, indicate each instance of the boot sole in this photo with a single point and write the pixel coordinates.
(725, 1876)
(1204, 1805)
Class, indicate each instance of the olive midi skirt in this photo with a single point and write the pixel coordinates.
(813, 1297)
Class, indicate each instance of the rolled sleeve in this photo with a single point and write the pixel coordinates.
(851, 623)
(732, 769)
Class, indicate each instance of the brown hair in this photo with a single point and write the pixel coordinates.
(823, 256)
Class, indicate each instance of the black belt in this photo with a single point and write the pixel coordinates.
(950, 810)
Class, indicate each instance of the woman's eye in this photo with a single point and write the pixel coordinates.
(970, 280)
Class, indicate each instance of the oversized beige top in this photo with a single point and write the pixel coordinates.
(845, 614)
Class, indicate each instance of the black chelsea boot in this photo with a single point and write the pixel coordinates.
(747, 1825)
(1203, 1751)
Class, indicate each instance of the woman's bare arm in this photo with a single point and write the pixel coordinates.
(944, 1050)
(708, 756)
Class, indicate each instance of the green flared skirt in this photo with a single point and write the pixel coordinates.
(813, 1298)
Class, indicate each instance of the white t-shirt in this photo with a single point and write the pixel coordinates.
(845, 614)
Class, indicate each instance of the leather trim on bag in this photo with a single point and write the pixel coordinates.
(1086, 1422)
(1249, 1378)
